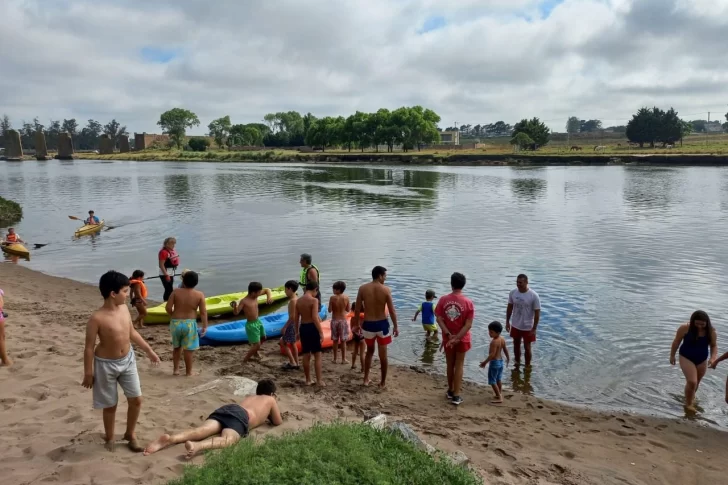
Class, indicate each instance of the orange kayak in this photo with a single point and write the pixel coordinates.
(326, 327)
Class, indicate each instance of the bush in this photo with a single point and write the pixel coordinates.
(344, 454)
(198, 144)
(10, 212)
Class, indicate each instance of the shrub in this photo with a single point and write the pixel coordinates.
(10, 212)
(199, 144)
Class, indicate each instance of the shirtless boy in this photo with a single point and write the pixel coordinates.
(232, 421)
(377, 299)
(288, 332)
(253, 326)
(339, 306)
(113, 361)
(497, 349)
(182, 306)
(309, 331)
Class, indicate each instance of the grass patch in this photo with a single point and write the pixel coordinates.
(10, 212)
(342, 454)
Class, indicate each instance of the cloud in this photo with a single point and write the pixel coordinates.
(474, 61)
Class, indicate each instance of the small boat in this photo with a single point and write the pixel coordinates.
(89, 229)
(16, 249)
(234, 332)
(216, 305)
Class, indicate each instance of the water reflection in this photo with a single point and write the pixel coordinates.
(429, 352)
(522, 382)
(527, 185)
(649, 189)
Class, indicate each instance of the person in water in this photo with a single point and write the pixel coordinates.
(339, 306)
(92, 220)
(288, 332)
(138, 297)
(168, 262)
(427, 308)
(697, 340)
(374, 299)
(714, 364)
(310, 274)
(4, 359)
(112, 362)
(12, 237)
(253, 326)
(183, 306)
(522, 316)
(231, 421)
(497, 350)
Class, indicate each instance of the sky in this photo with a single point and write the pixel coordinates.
(472, 61)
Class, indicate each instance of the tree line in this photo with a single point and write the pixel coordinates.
(86, 138)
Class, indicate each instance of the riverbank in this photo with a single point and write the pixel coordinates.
(52, 434)
(455, 157)
(10, 211)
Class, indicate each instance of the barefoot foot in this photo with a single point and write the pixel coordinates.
(345, 361)
(158, 444)
(190, 447)
(497, 401)
(110, 445)
(367, 382)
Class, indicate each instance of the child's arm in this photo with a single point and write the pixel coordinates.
(357, 309)
(203, 314)
(331, 300)
(169, 307)
(291, 312)
(237, 306)
(269, 295)
(419, 309)
(717, 361)
(348, 305)
(679, 335)
(92, 330)
(317, 322)
(492, 353)
(139, 340)
(297, 324)
(505, 351)
(275, 414)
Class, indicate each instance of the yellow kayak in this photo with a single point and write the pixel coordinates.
(216, 305)
(17, 249)
(89, 229)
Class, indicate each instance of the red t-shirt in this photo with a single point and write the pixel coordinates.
(456, 309)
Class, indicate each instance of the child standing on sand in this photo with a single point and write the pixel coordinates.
(253, 326)
(288, 332)
(138, 297)
(427, 308)
(183, 306)
(113, 362)
(699, 341)
(3, 351)
(339, 306)
(358, 337)
(495, 358)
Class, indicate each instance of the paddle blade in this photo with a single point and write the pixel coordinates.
(38, 246)
(74, 218)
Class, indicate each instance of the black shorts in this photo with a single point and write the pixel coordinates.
(232, 416)
(310, 339)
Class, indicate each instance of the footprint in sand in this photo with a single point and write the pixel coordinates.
(689, 435)
(568, 454)
(503, 454)
(658, 444)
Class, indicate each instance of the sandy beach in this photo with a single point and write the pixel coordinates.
(50, 433)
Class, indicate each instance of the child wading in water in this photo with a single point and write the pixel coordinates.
(339, 306)
(112, 362)
(253, 326)
(288, 332)
(699, 341)
(138, 297)
(495, 357)
(427, 308)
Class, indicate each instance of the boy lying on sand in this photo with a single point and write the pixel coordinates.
(231, 421)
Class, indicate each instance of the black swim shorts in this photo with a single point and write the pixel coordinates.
(232, 416)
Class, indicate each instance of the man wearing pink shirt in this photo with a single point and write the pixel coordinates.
(455, 314)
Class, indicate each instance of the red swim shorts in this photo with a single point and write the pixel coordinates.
(527, 336)
(460, 347)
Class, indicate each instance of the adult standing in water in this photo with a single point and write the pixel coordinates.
(310, 274)
(524, 308)
(699, 341)
(168, 262)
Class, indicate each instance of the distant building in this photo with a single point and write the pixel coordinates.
(450, 137)
(143, 141)
(713, 128)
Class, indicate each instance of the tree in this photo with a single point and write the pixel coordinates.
(573, 125)
(51, 134)
(521, 140)
(326, 132)
(245, 135)
(590, 126)
(70, 126)
(535, 129)
(220, 130)
(654, 125)
(641, 128)
(5, 126)
(175, 123)
(698, 126)
(199, 144)
(115, 131)
(89, 136)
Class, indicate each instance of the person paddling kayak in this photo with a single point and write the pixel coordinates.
(168, 262)
(12, 237)
(92, 219)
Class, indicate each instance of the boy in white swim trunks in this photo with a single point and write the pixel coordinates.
(183, 305)
(339, 306)
(113, 361)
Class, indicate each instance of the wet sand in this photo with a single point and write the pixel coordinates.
(50, 433)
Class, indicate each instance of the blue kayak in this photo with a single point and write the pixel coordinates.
(234, 332)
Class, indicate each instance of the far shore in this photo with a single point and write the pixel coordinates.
(52, 434)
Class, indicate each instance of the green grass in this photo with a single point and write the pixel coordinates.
(10, 212)
(342, 454)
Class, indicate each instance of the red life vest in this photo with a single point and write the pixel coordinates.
(141, 285)
(172, 260)
(11, 238)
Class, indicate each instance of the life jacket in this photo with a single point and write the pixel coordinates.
(91, 220)
(11, 238)
(428, 312)
(172, 260)
(141, 284)
(304, 274)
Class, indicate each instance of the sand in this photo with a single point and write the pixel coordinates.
(50, 433)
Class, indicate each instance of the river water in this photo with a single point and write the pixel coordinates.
(620, 255)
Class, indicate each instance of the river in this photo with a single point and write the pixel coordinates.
(620, 255)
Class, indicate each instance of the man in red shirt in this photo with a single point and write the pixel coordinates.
(455, 314)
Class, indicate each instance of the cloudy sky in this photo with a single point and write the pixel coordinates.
(472, 61)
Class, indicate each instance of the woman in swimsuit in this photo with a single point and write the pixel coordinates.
(699, 341)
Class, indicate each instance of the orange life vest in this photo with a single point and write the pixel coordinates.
(11, 238)
(141, 285)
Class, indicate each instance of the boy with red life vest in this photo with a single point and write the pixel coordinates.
(12, 237)
(138, 297)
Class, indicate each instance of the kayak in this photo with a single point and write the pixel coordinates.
(89, 229)
(16, 249)
(216, 305)
(234, 332)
